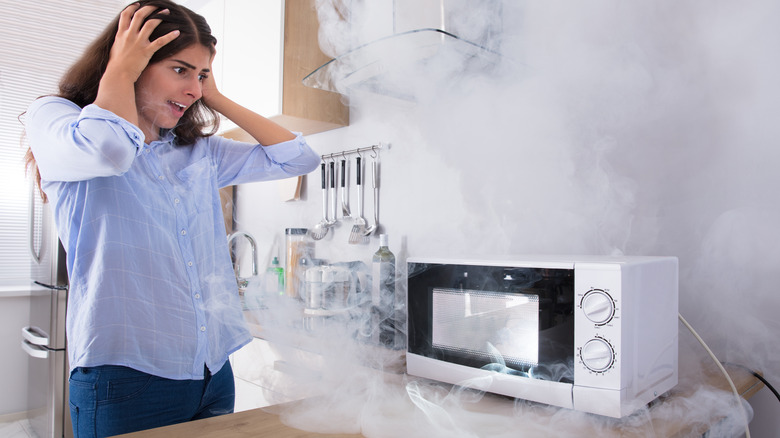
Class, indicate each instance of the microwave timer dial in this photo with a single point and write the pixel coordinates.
(597, 355)
(598, 306)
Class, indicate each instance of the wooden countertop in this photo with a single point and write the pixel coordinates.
(266, 422)
(247, 424)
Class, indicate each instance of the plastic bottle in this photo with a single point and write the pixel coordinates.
(276, 277)
(383, 275)
(383, 291)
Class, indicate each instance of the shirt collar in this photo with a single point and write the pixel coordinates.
(167, 137)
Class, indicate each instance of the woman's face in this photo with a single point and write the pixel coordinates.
(166, 89)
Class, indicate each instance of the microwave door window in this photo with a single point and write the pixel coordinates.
(513, 320)
(498, 330)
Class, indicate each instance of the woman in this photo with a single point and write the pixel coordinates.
(133, 178)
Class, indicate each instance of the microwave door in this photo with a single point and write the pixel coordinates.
(510, 319)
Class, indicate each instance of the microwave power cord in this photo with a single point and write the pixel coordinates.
(722, 369)
(758, 376)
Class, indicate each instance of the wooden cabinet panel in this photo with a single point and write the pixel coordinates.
(227, 198)
(302, 55)
(304, 109)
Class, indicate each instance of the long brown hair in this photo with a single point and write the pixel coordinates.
(80, 83)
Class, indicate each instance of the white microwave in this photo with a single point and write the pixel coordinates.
(594, 334)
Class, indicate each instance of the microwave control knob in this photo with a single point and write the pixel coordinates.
(598, 306)
(597, 355)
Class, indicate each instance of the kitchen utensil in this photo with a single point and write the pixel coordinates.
(333, 218)
(359, 229)
(344, 203)
(321, 229)
(375, 226)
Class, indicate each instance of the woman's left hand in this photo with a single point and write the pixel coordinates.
(263, 130)
(209, 92)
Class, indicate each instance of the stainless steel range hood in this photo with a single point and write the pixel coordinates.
(382, 66)
(389, 65)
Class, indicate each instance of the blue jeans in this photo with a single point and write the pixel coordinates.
(111, 400)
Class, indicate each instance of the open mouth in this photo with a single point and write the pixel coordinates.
(177, 108)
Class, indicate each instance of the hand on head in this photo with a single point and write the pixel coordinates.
(209, 86)
(132, 49)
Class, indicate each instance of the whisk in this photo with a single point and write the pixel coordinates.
(359, 229)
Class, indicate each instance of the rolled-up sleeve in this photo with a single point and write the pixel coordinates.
(242, 163)
(70, 143)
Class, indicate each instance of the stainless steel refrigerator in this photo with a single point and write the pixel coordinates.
(43, 339)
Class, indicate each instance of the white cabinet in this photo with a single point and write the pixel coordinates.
(249, 364)
(248, 64)
(264, 49)
(271, 373)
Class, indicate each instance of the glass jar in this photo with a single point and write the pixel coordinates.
(298, 255)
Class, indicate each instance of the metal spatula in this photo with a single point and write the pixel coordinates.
(344, 204)
(359, 229)
(333, 218)
(375, 226)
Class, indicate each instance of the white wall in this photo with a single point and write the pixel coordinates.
(14, 315)
(430, 208)
(765, 422)
(607, 129)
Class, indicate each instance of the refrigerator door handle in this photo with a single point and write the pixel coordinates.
(36, 336)
(35, 350)
(34, 252)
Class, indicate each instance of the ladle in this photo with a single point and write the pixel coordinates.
(321, 229)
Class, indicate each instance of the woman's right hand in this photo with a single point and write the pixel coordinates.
(132, 49)
(128, 58)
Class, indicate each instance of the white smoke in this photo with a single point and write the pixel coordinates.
(607, 127)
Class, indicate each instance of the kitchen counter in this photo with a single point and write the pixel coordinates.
(267, 422)
(246, 424)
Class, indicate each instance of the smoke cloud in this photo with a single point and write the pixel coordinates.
(604, 127)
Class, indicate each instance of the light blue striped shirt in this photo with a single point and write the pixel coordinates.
(151, 281)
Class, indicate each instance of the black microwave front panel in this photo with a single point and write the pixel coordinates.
(509, 319)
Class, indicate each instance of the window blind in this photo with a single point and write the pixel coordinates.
(39, 40)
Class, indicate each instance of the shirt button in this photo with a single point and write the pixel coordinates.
(197, 296)
(203, 328)
(161, 177)
(176, 201)
(183, 232)
(189, 263)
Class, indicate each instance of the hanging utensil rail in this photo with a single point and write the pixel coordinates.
(373, 148)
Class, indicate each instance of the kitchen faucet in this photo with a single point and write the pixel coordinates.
(243, 282)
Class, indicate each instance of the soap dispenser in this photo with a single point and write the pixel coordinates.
(275, 275)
